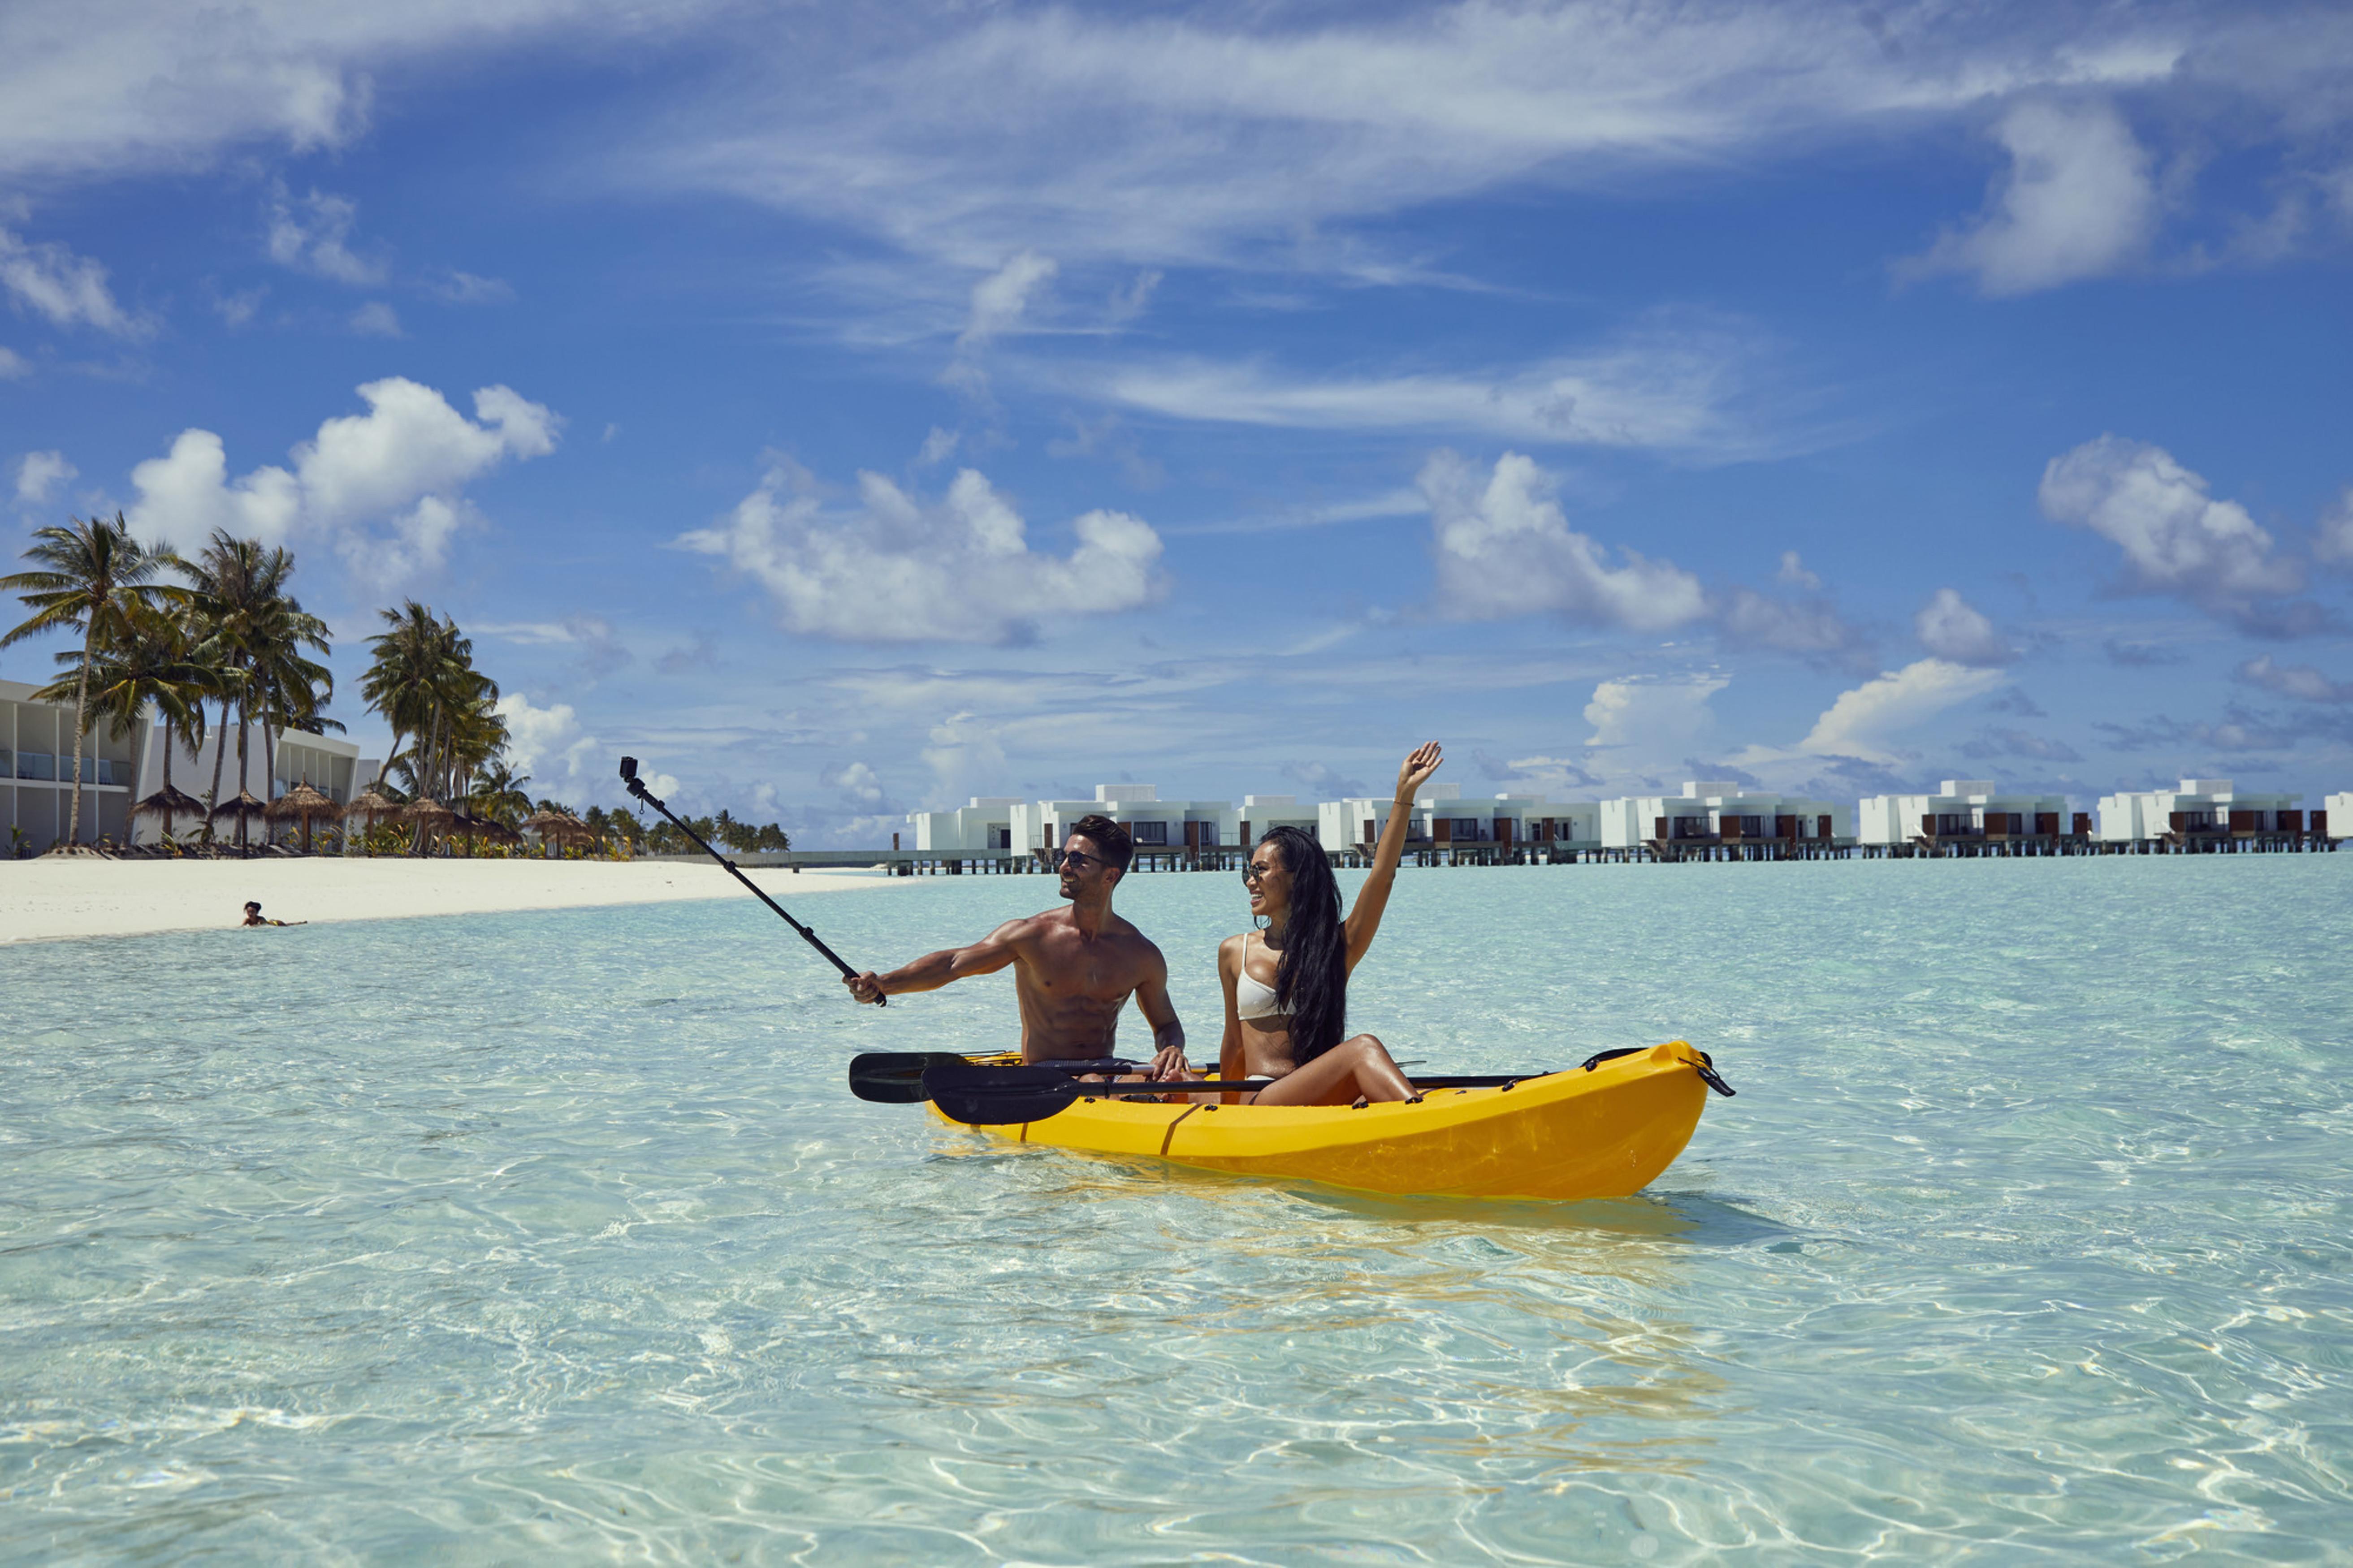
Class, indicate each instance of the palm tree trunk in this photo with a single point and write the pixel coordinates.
(220, 755)
(167, 776)
(82, 722)
(244, 717)
(269, 771)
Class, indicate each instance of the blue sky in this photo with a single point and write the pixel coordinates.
(851, 410)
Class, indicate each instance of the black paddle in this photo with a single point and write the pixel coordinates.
(637, 788)
(896, 1078)
(1000, 1096)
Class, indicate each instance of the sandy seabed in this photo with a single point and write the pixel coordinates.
(56, 897)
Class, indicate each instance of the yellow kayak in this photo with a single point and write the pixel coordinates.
(1601, 1132)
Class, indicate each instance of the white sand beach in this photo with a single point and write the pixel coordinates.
(53, 896)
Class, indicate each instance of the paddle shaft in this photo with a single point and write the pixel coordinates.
(637, 788)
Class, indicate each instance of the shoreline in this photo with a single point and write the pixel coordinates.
(58, 899)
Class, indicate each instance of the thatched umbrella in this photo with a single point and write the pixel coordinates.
(307, 804)
(498, 832)
(244, 807)
(549, 824)
(429, 815)
(167, 803)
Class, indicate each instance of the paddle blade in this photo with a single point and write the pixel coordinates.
(896, 1078)
(998, 1096)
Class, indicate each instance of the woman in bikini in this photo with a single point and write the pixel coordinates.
(1287, 984)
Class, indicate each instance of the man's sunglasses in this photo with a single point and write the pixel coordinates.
(1078, 859)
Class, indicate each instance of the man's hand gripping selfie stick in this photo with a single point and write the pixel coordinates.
(637, 789)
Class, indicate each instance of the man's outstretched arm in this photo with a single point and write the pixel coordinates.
(933, 970)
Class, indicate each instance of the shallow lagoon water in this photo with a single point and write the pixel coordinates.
(558, 1236)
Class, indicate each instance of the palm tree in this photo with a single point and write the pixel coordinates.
(255, 632)
(89, 575)
(499, 795)
(144, 663)
(423, 680)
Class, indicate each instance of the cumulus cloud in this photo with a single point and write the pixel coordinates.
(2175, 538)
(386, 487)
(61, 288)
(857, 783)
(900, 568)
(549, 744)
(2301, 681)
(2078, 201)
(376, 320)
(311, 234)
(464, 289)
(1504, 548)
(1652, 717)
(40, 474)
(1950, 628)
(1861, 723)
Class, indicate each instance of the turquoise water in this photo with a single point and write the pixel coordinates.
(556, 1237)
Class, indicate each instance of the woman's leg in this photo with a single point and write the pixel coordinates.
(1353, 1067)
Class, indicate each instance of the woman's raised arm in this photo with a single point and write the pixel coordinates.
(1365, 915)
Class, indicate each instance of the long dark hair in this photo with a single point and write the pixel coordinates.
(1311, 977)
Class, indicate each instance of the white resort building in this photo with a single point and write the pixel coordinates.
(2202, 813)
(1260, 812)
(1158, 827)
(1961, 812)
(982, 827)
(2334, 819)
(333, 767)
(36, 748)
(1714, 814)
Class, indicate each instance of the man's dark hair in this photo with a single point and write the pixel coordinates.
(253, 903)
(1108, 837)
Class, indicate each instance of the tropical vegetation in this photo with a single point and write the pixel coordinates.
(220, 646)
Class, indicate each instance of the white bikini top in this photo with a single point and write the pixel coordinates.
(1254, 998)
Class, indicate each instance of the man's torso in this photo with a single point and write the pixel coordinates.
(1071, 986)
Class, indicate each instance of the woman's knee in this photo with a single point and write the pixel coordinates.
(1366, 1046)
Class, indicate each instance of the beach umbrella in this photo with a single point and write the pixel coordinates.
(168, 803)
(244, 807)
(429, 815)
(553, 827)
(308, 805)
(370, 805)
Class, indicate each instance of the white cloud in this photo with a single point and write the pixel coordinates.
(65, 289)
(1652, 718)
(311, 234)
(2175, 538)
(549, 744)
(376, 320)
(14, 366)
(1669, 391)
(1793, 573)
(858, 784)
(1133, 137)
(1950, 628)
(2301, 681)
(1861, 723)
(901, 569)
(464, 289)
(39, 475)
(1504, 548)
(999, 299)
(1810, 626)
(2078, 201)
(386, 487)
(2334, 540)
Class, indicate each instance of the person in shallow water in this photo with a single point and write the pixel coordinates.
(1074, 968)
(253, 916)
(1287, 986)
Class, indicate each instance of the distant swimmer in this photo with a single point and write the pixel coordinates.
(1287, 984)
(1074, 968)
(253, 916)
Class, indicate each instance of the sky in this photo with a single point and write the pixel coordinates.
(851, 410)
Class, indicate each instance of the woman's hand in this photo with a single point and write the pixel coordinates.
(1416, 770)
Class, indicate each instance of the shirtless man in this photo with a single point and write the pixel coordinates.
(1074, 968)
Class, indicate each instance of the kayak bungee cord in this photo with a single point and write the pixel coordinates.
(637, 788)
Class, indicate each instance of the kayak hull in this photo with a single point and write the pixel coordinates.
(1601, 1132)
